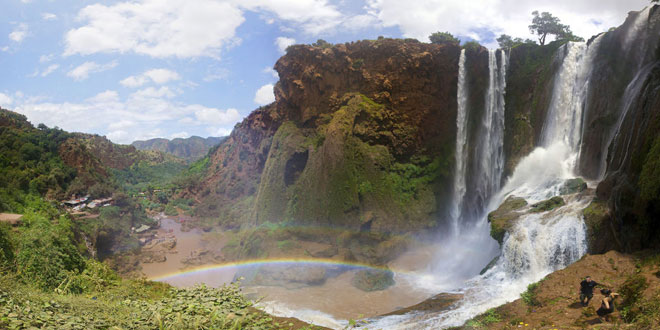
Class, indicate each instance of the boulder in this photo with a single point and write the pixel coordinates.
(572, 186)
(548, 205)
(502, 219)
(373, 279)
(290, 277)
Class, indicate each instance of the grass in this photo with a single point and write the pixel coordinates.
(484, 320)
(529, 296)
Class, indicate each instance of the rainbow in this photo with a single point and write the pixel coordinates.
(260, 262)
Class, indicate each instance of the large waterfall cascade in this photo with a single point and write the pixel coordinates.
(539, 243)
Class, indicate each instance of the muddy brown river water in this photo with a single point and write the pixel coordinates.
(336, 298)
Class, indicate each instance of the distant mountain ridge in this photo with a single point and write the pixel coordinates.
(190, 149)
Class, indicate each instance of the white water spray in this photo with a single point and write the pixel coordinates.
(490, 148)
(569, 97)
(461, 145)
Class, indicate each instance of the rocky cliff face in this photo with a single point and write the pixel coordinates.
(361, 135)
(622, 124)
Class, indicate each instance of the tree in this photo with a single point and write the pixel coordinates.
(545, 24)
(569, 36)
(322, 44)
(443, 37)
(507, 42)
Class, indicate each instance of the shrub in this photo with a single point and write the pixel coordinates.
(47, 253)
(632, 291)
(529, 296)
(443, 37)
(6, 248)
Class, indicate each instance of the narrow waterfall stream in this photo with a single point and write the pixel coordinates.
(461, 146)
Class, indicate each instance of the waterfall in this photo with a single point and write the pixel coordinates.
(538, 243)
(613, 139)
(491, 152)
(637, 33)
(488, 154)
(461, 145)
(636, 28)
(564, 120)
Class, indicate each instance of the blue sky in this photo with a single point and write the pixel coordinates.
(174, 68)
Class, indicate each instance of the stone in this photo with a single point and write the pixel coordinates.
(572, 186)
(548, 205)
(502, 219)
(373, 279)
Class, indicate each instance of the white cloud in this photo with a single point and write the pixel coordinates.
(48, 16)
(83, 71)
(313, 16)
(118, 135)
(19, 33)
(178, 28)
(50, 69)
(145, 114)
(5, 100)
(284, 42)
(181, 135)
(269, 70)
(107, 96)
(220, 131)
(151, 92)
(264, 95)
(213, 115)
(46, 58)
(418, 19)
(122, 124)
(158, 76)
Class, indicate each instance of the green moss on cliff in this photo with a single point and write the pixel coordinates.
(529, 92)
(548, 205)
(502, 219)
(350, 171)
(649, 179)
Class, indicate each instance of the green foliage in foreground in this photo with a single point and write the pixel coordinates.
(130, 305)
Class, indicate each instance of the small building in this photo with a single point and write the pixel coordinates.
(142, 229)
(11, 218)
(73, 202)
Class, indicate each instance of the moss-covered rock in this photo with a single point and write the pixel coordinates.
(373, 279)
(548, 205)
(291, 277)
(490, 265)
(502, 219)
(600, 236)
(572, 186)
